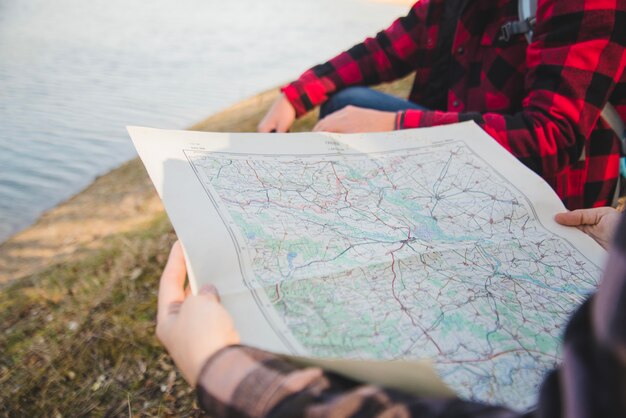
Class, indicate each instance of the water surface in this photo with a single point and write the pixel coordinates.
(74, 73)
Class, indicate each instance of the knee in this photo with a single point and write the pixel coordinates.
(354, 96)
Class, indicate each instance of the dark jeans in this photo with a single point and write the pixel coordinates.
(367, 98)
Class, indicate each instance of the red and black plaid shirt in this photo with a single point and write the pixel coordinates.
(541, 101)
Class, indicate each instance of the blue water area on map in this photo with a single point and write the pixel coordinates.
(427, 232)
(290, 257)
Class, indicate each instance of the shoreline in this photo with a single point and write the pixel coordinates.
(121, 200)
(116, 202)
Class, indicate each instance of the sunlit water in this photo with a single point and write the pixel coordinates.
(74, 73)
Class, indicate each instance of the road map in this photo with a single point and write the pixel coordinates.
(426, 244)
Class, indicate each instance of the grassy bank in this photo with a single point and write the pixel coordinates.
(78, 297)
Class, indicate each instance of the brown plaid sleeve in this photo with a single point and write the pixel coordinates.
(242, 381)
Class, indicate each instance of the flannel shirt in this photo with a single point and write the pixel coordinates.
(541, 101)
(241, 381)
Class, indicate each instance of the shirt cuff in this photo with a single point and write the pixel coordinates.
(298, 101)
(249, 380)
(221, 376)
(414, 118)
(399, 121)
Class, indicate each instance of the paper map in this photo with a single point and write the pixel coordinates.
(424, 244)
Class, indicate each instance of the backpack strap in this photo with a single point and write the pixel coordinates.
(510, 29)
(526, 11)
(612, 118)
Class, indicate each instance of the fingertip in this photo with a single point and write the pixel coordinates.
(282, 128)
(211, 291)
(264, 127)
(171, 286)
(571, 218)
(176, 247)
(176, 257)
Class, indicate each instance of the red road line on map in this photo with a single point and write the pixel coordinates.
(277, 294)
(256, 174)
(339, 182)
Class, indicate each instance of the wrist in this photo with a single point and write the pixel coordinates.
(292, 96)
(399, 120)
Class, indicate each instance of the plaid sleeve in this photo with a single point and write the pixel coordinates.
(242, 381)
(391, 54)
(573, 65)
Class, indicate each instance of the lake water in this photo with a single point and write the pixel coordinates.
(74, 73)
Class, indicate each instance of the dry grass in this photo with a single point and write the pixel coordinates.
(77, 338)
(119, 202)
(78, 302)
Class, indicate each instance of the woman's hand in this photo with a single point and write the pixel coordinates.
(599, 223)
(279, 118)
(352, 119)
(192, 328)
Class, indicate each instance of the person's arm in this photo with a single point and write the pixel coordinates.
(391, 54)
(244, 381)
(573, 64)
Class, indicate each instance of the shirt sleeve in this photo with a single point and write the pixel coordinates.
(243, 381)
(573, 64)
(391, 54)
